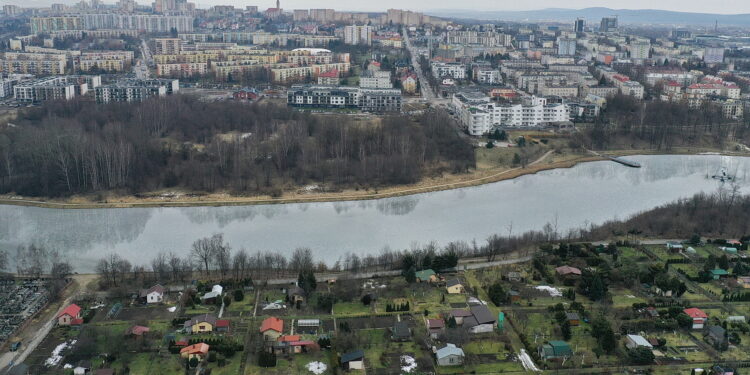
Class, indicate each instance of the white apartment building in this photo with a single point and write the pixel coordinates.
(375, 79)
(452, 70)
(354, 34)
(489, 76)
(640, 50)
(480, 115)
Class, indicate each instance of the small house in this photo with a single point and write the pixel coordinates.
(459, 315)
(354, 360)
(216, 292)
(222, 325)
(699, 317)
(573, 319)
(722, 370)
(201, 324)
(271, 328)
(716, 336)
(199, 350)
(435, 327)
(295, 295)
(70, 316)
(719, 273)
(555, 350)
(568, 272)
(454, 286)
(651, 312)
(450, 355)
(400, 331)
(635, 341)
(514, 296)
(155, 294)
(675, 247)
(481, 320)
(84, 367)
(426, 276)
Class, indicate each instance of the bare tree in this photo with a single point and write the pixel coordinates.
(160, 266)
(3, 260)
(223, 257)
(240, 264)
(302, 259)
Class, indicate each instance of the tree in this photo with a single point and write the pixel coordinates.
(239, 295)
(602, 331)
(497, 293)
(306, 280)
(204, 250)
(410, 275)
(3, 260)
(641, 356)
(490, 144)
(516, 159)
(565, 329)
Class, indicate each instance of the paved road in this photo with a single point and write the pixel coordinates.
(424, 85)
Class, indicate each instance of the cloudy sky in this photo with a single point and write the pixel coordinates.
(703, 6)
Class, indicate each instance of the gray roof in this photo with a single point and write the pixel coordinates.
(352, 356)
(209, 318)
(401, 329)
(460, 313)
(717, 331)
(482, 314)
(450, 350)
(572, 316)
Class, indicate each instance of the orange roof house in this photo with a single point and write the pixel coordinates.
(271, 328)
(196, 350)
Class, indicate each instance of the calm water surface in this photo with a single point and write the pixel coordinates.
(588, 193)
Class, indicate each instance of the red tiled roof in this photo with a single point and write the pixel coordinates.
(76, 322)
(333, 73)
(435, 323)
(565, 270)
(695, 312)
(137, 330)
(199, 348)
(302, 343)
(222, 323)
(73, 310)
(290, 338)
(272, 323)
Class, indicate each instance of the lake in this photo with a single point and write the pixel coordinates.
(588, 193)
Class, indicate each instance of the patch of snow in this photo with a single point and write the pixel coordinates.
(172, 309)
(408, 364)
(317, 367)
(55, 358)
(553, 292)
(68, 365)
(527, 362)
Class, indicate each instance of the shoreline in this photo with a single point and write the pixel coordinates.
(507, 174)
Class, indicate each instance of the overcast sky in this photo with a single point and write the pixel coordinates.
(702, 6)
(711, 6)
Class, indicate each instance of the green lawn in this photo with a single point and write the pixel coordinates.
(350, 308)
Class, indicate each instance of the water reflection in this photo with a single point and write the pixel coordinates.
(588, 193)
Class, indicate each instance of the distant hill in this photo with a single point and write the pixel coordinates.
(625, 16)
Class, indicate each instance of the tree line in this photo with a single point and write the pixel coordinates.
(72, 147)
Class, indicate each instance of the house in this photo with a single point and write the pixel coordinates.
(155, 294)
(330, 78)
(199, 350)
(699, 317)
(295, 295)
(459, 315)
(246, 93)
(454, 286)
(514, 296)
(568, 272)
(70, 316)
(651, 312)
(719, 273)
(635, 341)
(136, 331)
(222, 325)
(435, 327)
(182, 341)
(573, 319)
(200, 324)
(216, 292)
(716, 336)
(271, 328)
(354, 360)
(400, 331)
(555, 350)
(674, 247)
(514, 276)
(104, 371)
(481, 320)
(722, 370)
(426, 276)
(450, 355)
(84, 367)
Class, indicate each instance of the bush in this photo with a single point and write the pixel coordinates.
(266, 359)
(212, 356)
(227, 301)
(239, 295)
